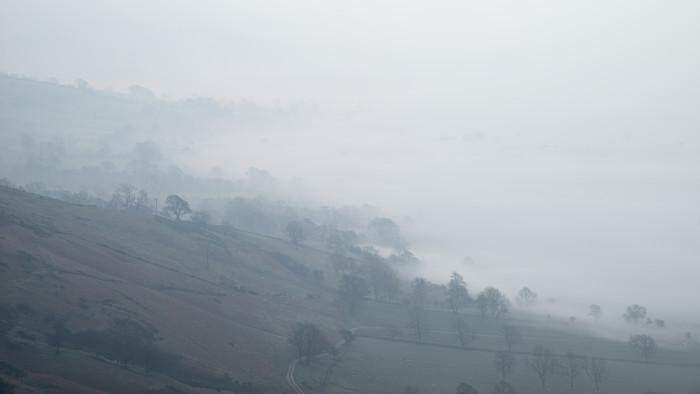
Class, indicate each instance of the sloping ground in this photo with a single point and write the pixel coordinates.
(217, 297)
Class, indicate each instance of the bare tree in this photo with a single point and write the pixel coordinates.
(127, 197)
(308, 339)
(352, 292)
(465, 333)
(571, 367)
(60, 335)
(597, 370)
(295, 233)
(595, 312)
(511, 335)
(176, 206)
(635, 313)
(491, 300)
(526, 297)
(544, 363)
(383, 280)
(419, 291)
(457, 292)
(504, 362)
(418, 321)
(645, 344)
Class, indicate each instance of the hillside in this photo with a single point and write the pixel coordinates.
(218, 301)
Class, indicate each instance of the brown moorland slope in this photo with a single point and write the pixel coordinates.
(217, 301)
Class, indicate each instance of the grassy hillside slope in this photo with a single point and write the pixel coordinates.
(219, 299)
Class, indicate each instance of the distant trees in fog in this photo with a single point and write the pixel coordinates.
(544, 363)
(635, 313)
(511, 335)
(176, 206)
(595, 312)
(644, 344)
(491, 301)
(295, 233)
(458, 296)
(504, 362)
(418, 321)
(352, 292)
(571, 367)
(526, 297)
(126, 196)
(596, 369)
(465, 333)
(308, 339)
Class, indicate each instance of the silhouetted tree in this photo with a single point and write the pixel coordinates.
(382, 278)
(645, 344)
(352, 292)
(511, 335)
(526, 297)
(465, 333)
(634, 313)
(597, 370)
(418, 321)
(491, 300)
(308, 339)
(419, 291)
(127, 197)
(544, 363)
(175, 205)
(295, 233)
(595, 312)
(571, 367)
(504, 362)
(386, 232)
(318, 276)
(457, 292)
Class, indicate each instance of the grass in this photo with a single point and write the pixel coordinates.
(376, 364)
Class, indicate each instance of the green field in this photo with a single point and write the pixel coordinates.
(376, 364)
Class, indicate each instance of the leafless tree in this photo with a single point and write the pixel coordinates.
(526, 297)
(597, 370)
(595, 312)
(419, 291)
(504, 362)
(465, 333)
(544, 363)
(457, 292)
(418, 321)
(511, 335)
(491, 300)
(635, 313)
(126, 196)
(308, 340)
(295, 233)
(571, 367)
(645, 344)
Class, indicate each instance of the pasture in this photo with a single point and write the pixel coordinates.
(375, 363)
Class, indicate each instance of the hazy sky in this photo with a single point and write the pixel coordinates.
(528, 135)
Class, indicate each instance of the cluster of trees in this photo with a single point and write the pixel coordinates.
(545, 363)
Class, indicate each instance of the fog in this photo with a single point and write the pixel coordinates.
(549, 145)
